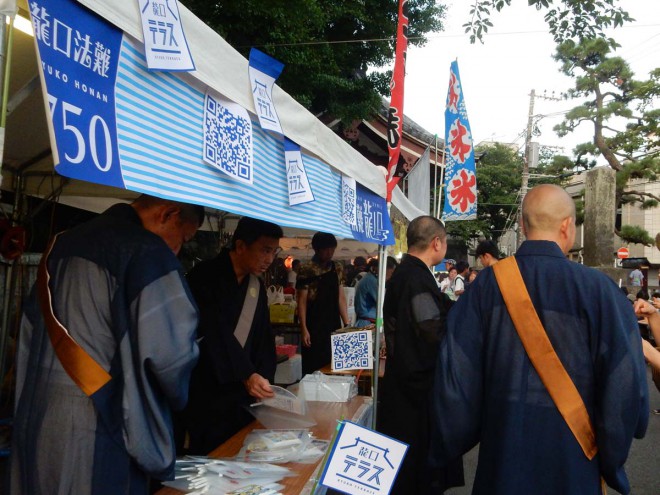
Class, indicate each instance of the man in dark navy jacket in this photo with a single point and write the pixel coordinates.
(496, 398)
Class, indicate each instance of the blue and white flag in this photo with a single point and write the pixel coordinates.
(460, 171)
(264, 71)
(299, 189)
(165, 44)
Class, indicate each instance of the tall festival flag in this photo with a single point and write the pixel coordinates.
(395, 114)
(460, 172)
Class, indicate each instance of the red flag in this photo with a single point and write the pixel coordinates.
(395, 114)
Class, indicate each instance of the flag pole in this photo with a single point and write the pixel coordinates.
(382, 272)
(394, 137)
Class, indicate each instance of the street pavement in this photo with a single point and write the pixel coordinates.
(643, 466)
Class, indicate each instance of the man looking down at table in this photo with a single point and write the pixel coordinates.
(106, 347)
(237, 347)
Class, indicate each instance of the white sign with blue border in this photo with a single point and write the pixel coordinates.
(264, 71)
(300, 191)
(363, 461)
(165, 43)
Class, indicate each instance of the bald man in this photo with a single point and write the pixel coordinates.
(415, 313)
(486, 379)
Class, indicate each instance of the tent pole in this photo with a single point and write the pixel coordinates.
(4, 89)
(382, 272)
(435, 177)
(442, 182)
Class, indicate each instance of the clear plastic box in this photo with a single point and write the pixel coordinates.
(328, 388)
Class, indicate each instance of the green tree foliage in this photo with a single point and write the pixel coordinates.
(498, 188)
(566, 19)
(625, 124)
(635, 234)
(326, 45)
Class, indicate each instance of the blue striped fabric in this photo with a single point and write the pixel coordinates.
(160, 147)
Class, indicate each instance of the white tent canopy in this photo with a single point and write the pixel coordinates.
(27, 151)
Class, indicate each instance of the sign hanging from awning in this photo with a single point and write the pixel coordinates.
(165, 42)
(366, 213)
(115, 122)
(264, 71)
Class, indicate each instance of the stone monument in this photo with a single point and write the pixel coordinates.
(599, 216)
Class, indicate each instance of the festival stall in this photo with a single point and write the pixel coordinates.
(118, 128)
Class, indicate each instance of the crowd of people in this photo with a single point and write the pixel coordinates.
(115, 338)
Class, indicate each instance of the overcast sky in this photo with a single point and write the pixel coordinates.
(516, 57)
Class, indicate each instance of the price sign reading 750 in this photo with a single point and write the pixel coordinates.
(90, 137)
(79, 54)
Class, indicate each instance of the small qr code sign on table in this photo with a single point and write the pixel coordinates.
(363, 461)
(352, 351)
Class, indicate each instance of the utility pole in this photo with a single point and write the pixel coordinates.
(526, 162)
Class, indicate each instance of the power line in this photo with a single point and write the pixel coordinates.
(428, 37)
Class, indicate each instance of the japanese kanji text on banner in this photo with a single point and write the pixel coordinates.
(460, 171)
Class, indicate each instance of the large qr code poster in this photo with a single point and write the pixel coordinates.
(228, 138)
(352, 351)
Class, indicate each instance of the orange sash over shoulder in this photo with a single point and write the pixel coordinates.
(543, 356)
(79, 365)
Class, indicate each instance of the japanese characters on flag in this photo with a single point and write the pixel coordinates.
(460, 172)
(264, 71)
(165, 44)
(395, 113)
(299, 189)
(363, 461)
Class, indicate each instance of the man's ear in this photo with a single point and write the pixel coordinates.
(239, 245)
(166, 212)
(565, 226)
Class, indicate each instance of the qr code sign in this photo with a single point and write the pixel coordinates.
(228, 138)
(352, 351)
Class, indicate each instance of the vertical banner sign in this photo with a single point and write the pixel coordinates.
(165, 44)
(264, 71)
(395, 113)
(78, 55)
(363, 461)
(372, 221)
(460, 171)
(228, 138)
(299, 189)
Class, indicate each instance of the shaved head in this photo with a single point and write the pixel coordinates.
(547, 211)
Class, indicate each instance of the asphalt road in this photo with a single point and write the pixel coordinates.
(643, 466)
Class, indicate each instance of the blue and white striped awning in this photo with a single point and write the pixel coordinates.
(125, 126)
